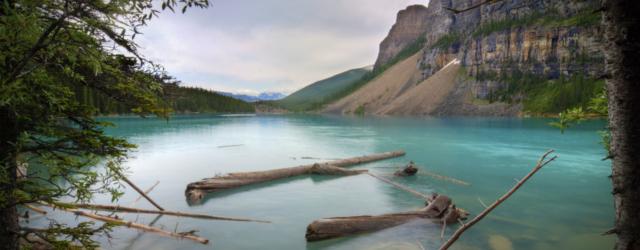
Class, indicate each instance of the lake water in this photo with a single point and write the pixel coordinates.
(565, 206)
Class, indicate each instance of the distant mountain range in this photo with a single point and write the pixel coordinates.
(264, 96)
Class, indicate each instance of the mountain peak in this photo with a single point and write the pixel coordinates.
(264, 96)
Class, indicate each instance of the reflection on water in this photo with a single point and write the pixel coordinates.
(566, 206)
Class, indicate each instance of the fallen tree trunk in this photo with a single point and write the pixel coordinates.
(164, 212)
(439, 210)
(195, 191)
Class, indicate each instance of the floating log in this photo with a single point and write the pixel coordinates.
(195, 191)
(165, 212)
(133, 225)
(439, 210)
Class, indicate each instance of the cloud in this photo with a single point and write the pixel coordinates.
(268, 45)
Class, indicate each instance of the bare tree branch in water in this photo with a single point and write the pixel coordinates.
(541, 163)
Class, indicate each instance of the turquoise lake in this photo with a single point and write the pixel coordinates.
(567, 205)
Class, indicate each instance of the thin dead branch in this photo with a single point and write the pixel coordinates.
(35, 209)
(482, 203)
(122, 209)
(132, 224)
(416, 193)
(142, 193)
(444, 178)
(420, 245)
(145, 192)
(541, 163)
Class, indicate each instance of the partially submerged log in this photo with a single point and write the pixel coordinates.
(196, 190)
(439, 210)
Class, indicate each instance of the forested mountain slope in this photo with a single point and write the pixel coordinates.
(319, 92)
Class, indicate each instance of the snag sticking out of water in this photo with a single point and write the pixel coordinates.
(408, 170)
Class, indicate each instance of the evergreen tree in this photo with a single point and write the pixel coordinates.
(50, 50)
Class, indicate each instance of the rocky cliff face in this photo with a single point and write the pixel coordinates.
(410, 25)
(507, 49)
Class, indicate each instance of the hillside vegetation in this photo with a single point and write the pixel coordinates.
(318, 93)
(180, 99)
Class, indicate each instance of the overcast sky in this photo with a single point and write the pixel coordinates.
(245, 46)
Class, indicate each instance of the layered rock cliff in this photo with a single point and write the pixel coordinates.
(515, 56)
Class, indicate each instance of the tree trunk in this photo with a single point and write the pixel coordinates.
(622, 51)
(439, 210)
(9, 226)
(196, 190)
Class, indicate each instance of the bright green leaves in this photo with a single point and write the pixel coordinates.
(597, 107)
(568, 118)
(598, 104)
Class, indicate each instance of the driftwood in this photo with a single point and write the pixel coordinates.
(165, 212)
(541, 163)
(439, 210)
(133, 225)
(196, 190)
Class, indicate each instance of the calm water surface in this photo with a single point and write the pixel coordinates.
(566, 206)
